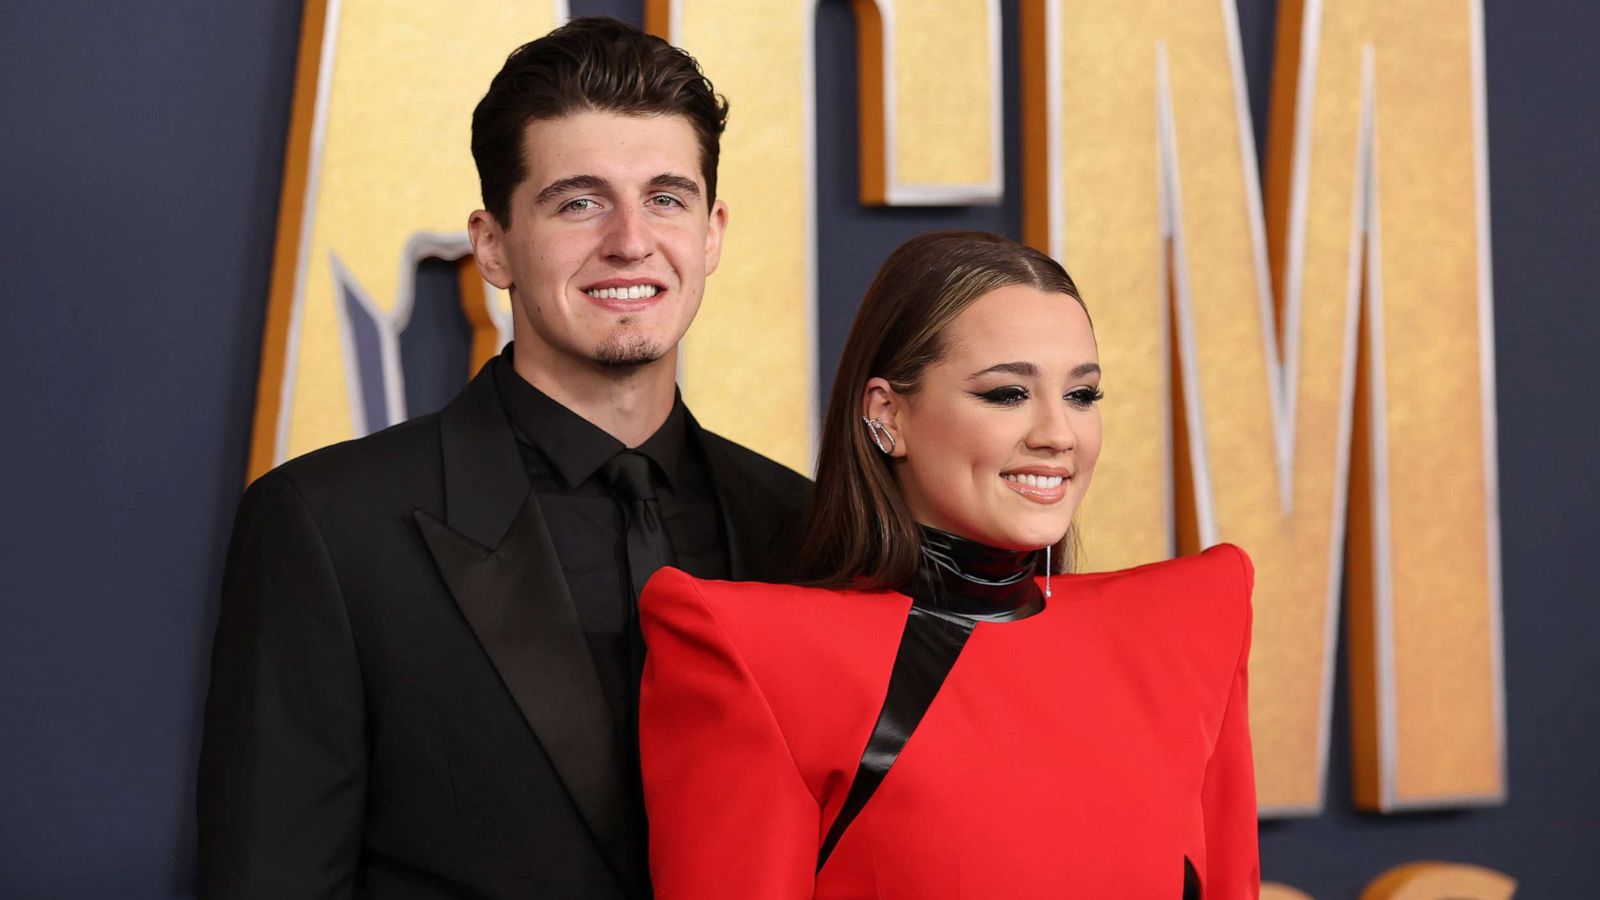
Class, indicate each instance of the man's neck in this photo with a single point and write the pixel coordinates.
(628, 403)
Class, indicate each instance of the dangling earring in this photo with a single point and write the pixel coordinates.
(1047, 570)
(873, 427)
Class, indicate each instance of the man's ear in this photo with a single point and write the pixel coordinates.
(718, 227)
(880, 401)
(489, 248)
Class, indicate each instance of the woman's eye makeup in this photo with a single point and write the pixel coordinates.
(1009, 395)
(1012, 395)
(1085, 396)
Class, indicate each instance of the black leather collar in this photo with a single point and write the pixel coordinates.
(975, 581)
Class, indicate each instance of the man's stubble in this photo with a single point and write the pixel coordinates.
(626, 349)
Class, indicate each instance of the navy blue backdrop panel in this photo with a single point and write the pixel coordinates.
(141, 163)
(141, 149)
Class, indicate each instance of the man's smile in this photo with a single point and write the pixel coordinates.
(625, 294)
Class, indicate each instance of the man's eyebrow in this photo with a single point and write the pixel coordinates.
(563, 186)
(677, 183)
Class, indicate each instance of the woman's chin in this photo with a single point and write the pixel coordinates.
(1020, 539)
(1008, 532)
(1039, 534)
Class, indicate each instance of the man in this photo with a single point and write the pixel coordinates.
(425, 675)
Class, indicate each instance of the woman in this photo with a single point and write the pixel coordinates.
(941, 713)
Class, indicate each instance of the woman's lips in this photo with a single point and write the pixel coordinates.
(1045, 489)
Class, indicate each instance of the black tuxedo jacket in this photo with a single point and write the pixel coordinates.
(403, 703)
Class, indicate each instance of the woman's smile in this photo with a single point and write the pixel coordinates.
(1040, 485)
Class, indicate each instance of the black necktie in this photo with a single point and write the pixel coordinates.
(629, 476)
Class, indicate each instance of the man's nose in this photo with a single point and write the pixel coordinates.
(627, 234)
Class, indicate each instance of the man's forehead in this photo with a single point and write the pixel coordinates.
(625, 146)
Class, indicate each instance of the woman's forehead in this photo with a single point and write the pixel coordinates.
(1022, 323)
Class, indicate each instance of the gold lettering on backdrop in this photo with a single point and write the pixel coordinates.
(378, 176)
(1253, 343)
(1141, 173)
(1440, 881)
(1420, 881)
(931, 107)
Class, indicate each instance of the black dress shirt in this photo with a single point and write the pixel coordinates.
(563, 453)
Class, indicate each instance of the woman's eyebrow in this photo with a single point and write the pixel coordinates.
(1025, 369)
(1028, 370)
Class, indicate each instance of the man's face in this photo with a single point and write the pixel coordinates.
(611, 239)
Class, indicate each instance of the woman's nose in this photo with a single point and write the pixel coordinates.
(1052, 427)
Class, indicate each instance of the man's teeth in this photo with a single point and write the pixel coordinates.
(1036, 481)
(636, 292)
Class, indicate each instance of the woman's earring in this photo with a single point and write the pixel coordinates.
(1047, 569)
(873, 428)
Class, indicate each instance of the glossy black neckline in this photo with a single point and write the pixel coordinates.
(961, 577)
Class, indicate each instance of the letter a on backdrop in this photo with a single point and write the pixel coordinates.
(377, 176)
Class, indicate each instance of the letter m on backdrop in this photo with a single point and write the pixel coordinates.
(1310, 376)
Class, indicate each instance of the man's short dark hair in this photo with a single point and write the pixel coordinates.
(591, 64)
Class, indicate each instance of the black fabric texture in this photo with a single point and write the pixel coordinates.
(566, 457)
(403, 699)
(929, 646)
(648, 550)
(1191, 881)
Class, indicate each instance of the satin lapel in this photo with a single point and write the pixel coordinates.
(517, 603)
(496, 557)
(748, 518)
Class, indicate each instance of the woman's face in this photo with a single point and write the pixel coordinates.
(999, 441)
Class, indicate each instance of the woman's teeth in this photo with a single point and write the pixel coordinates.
(1036, 481)
(636, 292)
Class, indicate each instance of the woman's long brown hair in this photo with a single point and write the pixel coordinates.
(858, 529)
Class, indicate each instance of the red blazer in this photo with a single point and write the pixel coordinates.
(1082, 752)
